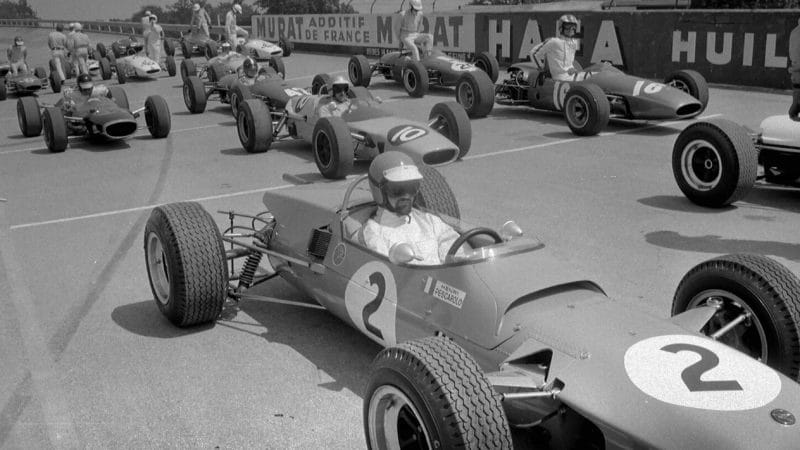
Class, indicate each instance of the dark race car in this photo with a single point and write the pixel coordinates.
(507, 335)
(226, 62)
(108, 116)
(361, 132)
(233, 88)
(436, 69)
(126, 46)
(22, 83)
(716, 162)
(603, 92)
(191, 44)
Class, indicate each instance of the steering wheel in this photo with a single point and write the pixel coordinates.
(470, 234)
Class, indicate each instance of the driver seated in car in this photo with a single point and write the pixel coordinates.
(394, 181)
(557, 54)
(85, 90)
(17, 56)
(340, 103)
(250, 72)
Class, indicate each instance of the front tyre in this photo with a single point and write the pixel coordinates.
(55, 130)
(239, 93)
(451, 120)
(333, 147)
(430, 393)
(359, 71)
(415, 78)
(170, 63)
(185, 261)
(254, 126)
(475, 92)
(762, 292)
(157, 117)
(488, 63)
(586, 109)
(188, 69)
(714, 162)
(29, 116)
(194, 94)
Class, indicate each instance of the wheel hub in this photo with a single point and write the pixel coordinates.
(701, 165)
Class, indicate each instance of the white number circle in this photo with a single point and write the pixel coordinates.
(653, 88)
(697, 372)
(371, 301)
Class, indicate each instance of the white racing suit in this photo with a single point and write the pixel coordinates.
(426, 233)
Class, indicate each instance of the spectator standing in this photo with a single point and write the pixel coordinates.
(231, 29)
(146, 23)
(81, 49)
(154, 39)
(57, 41)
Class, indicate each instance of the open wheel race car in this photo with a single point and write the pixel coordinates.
(473, 81)
(503, 335)
(715, 162)
(263, 50)
(604, 92)
(233, 88)
(225, 62)
(106, 116)
(128, 61)
(191, 44)
(22, 83)
(361, 132)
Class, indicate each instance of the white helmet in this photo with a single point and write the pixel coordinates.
(416, 4)
(196, 7)
(238, 8)
(391, 174)
(563, 20)
(78, 26)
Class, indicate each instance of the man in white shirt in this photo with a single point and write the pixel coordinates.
(559, 52)
(231, 29)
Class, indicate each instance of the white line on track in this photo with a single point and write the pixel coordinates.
(284, 186)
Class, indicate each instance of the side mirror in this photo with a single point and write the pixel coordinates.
(401, 254)
(510, 230)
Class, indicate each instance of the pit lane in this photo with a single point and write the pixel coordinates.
(90, 362)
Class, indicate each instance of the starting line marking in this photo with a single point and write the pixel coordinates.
(284, 186)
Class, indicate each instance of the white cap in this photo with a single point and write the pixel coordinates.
(416, 4)
(153, 18)
(196, 7)
(78, 26)
(238, 8)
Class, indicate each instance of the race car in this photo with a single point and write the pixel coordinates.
(126, 46)
(134, 65)
(108, 116)
(191, 44)
(361, 132)
(224, 63)
(263, 50)
(436, 69)
(505, 335)
(602, 93)
(22, 83)
(715, 162)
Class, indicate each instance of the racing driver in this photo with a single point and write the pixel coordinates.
(558, 53)
(394, 181)
(341, 102)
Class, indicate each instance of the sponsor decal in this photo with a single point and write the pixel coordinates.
(405, 133)
(697, 372)
(444, 292)
(301, 102)
(371, 301)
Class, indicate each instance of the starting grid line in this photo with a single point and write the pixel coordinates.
(284, 186)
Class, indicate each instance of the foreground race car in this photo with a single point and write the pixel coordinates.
(361, 132)
(191, 44)
(606, 92)
(263, 50)
(436, 69)
(477, 345)
(715, 162)
(233, 88)
(22, 83)
(106, 116)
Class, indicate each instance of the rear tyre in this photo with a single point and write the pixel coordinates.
(475, 92)
(55, 130)
(320, 83)
(333, 147)
(55, 81)
(156, 116)
(101, 49)
(586, 109)
(430, 392)
(119, 96)
(254, 126)
(450, 119)
(185, 260)
(237, 95)
(105, 69)
(211, 49)
(279, 66)
(29, 116)
(171, 67)
(691, 82)
(169, 47)
(753, 285)
(359, 71)
(415, 78)
(488, 63)
(117, 50)
(714, 162)
(186, 51)
(194, 94)
(287, 47)
(216, 72)
(188, 69)
(435, 193)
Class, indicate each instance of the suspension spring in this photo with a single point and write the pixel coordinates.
(249, 270)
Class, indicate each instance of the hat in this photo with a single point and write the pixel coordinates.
(78, 26)
(18, 39)
(153, 18)
(416, 4)
(196, 7)
(238, 8)
(148, 13)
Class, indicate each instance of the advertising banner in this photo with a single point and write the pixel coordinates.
(377, 33)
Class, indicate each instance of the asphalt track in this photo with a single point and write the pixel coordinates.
(89, 362)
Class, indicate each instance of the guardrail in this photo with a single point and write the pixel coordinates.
(122, 28)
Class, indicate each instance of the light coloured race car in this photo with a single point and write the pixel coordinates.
(361, 132)
(506, 336)
(715, 162)
(263, 50)
(135, 65)
(436, 69)
(107, 116)
(22, 83)
(603, 92)
(234, 88)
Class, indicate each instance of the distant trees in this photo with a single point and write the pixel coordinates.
(16, 10)
(305, 6)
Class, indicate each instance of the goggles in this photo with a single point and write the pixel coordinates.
(404, 188)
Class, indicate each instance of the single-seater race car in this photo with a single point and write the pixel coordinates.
(128, 60)
(191, 44)
(505, 335)
(105, 114)
(715, 162)
(226, 62)
(603, 92)
(263, 50)
(24, 83)
(436, 69)
(361, 132)
(233, 88)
